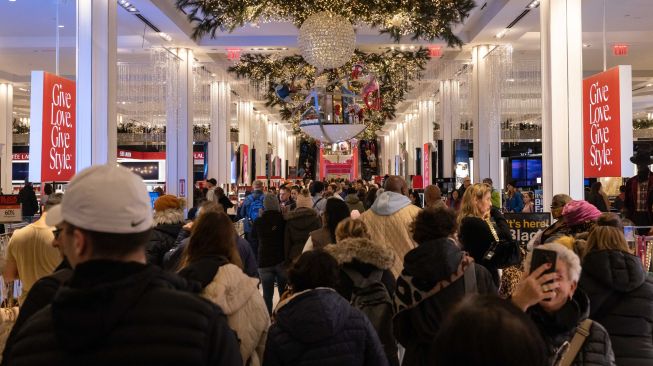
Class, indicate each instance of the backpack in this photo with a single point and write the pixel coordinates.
(253, 207)
(371, 297)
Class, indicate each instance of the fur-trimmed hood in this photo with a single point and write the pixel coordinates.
(169, 216)
(363, 250)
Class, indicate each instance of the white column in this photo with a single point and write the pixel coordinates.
(562, 86)
(487, 133)
(96, 83)
(449, 109)
(6, 136)
(219, 149)
(179, 132)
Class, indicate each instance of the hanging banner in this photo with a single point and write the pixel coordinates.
(426, 161)
(524, 226)
(607, 123)
(53, 128)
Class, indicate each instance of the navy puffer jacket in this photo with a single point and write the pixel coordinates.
(621, 299)
(319, 327)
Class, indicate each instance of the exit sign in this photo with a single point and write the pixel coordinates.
(620, 49)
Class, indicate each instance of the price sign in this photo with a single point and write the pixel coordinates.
(10, 210)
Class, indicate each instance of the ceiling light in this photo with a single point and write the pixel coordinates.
(132, 9)
(165, 36)
(649, 85)
(502, 33)
(61, 25)
(587, 45)
(510, 80)
(534, 4)
(403, 48)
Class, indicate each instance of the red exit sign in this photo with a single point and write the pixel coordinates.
(620, 49)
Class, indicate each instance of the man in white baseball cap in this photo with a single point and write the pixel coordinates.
(116, 309)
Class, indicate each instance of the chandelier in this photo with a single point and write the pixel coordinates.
(326, 40)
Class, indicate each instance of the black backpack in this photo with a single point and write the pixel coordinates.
(370, 296)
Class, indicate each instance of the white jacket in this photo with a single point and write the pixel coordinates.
(239, 298)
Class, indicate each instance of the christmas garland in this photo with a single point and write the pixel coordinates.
(394, 71)
(423, 19)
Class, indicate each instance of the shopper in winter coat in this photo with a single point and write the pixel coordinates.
(28, 201)
(389, 219)
(353, 201)
(433, 283)
(299, 224)
(334, 212)
(558, 309)
(269, 230)
(481, 226)
(620, 292)
(172, 258)
(316, 326)
(211, 258)
(169, 219)
(362, 256)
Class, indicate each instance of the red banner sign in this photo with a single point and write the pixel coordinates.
(58, 131)
(426, 161)
(607, 102)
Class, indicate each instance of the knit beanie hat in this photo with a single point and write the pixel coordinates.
(271, 203)
(304, 201)
(579, 212)
(167, 202)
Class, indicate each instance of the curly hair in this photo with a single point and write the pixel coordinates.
(434, 223)
(351, 228)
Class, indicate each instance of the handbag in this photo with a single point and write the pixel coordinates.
(501, 253)
(8, 316)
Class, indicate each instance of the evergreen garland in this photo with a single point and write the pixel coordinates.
(394, 69)
(423, 19)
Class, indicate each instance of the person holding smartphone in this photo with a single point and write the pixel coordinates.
(550, 297)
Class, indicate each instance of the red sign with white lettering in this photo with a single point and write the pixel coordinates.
(20, 156)
(58, 134)
(602, 104)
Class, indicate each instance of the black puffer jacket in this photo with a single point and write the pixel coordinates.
(269, 230)
(118, 313)
(425, 266)
(621, 299)
(299, 224)
(560, 327)
(319, 327)
(163, 239)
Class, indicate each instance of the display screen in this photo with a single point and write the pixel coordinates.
(148, 170)
(19, 171)
(526, 172)
(153, 197)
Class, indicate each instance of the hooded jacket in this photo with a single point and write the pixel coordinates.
(560, 327)
(164, 235)
(354, 203)
(299, 224)
(237, 295)
(364, 256)
(621, 299)
(319, 327)
(388, 221)
(431, 263)
(125, 313)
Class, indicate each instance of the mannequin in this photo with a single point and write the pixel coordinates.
(638, 204)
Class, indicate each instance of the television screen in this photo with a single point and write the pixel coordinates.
(519, 169)
(533, 169)
(153, 197)
(19, 171)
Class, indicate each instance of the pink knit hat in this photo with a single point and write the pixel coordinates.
(579, 212)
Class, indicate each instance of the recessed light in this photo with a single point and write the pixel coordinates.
(510, 80)
(649, 85)
(61, 25)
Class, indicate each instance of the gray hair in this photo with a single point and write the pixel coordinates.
(564, 254)
(53, 200)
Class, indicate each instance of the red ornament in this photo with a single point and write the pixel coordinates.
(373, 102)
(337, 109)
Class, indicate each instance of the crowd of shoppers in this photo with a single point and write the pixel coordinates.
(363, 276)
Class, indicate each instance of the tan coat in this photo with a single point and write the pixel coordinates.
(393, 231)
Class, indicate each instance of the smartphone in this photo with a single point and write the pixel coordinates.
(543, 256)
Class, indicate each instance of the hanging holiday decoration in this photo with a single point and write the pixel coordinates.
(385, 80)
(421, 19)
(283, 92)
(326, 40)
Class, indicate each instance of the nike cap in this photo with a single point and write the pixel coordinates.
(105, 198)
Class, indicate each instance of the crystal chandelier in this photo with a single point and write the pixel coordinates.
(326, 40)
